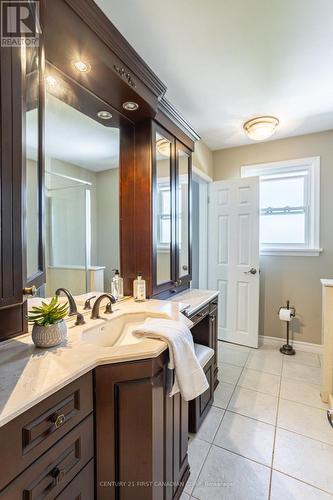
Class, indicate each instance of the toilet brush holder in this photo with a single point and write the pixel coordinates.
(287, 348)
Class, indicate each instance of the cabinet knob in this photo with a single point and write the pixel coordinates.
(58, 420)
(58, 474)
(30, 290)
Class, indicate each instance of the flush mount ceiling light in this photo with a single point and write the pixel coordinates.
(104, 115)
(130, 106)
(261, 127)
(163, 147)
(82, 66)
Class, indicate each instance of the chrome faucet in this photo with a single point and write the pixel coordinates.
(72, 306)
(108, 309)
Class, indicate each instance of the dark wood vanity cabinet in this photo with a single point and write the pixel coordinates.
(141, 432)
(114, 433)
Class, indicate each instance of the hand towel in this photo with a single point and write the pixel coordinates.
(190, 379)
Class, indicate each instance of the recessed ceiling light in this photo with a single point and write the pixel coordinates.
(130, 106)
(82, 66)
(51, 81)
(261, 127)
(104, 115)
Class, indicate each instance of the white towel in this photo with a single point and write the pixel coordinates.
(190, 379)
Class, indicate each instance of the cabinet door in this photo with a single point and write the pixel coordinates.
(183, 214)
(11, 309)
(163, 209)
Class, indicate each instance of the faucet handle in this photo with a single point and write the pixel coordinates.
(79, 319)
(87, 304)
(108, 308)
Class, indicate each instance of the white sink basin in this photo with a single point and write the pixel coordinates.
(118, 331)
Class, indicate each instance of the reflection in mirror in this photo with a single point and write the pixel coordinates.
(183, 213)
(32, 161)
(82, 190)
(162, 211)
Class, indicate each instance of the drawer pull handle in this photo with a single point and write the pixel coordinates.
(58, 474)
(58, 420)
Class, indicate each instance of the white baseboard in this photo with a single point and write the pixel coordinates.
(300, 346)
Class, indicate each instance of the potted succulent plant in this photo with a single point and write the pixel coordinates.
(49, 328)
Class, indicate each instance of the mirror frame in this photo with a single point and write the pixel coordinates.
(38, 278)
(161, 287)
(185, 278)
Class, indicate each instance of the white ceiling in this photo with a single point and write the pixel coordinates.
(74, 137)
(225, 61)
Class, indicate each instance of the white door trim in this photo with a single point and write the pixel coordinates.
(203, 180)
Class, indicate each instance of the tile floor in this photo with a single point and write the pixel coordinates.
(267, 435)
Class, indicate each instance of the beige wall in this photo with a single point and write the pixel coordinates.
(203, 158)
(296, 278)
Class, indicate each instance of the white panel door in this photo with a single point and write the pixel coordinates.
(233, 257)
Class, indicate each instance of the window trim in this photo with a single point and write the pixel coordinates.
(312, 166)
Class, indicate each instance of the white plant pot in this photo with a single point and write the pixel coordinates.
(49, 336)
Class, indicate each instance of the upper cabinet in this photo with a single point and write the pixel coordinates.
(162, 200)
(11, 251)
(95, 165)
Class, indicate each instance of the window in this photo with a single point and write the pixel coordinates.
(164, 216)
(289, 206)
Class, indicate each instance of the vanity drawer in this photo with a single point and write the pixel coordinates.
(28, 436)
(82, 486)
(200, 315)
(48, 476)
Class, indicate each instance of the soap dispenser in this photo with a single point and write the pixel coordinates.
(139, 288)
(117, 285)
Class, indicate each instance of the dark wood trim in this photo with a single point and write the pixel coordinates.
(127, 207)
(143, 224)
(185, 279)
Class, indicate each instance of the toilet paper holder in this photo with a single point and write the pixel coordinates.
(287, 306)
(287, 348)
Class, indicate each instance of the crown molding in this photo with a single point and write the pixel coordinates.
(167, 109)
(97, 21)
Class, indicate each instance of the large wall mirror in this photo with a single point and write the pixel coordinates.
(82, 142)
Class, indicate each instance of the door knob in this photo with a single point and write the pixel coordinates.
(251, 271)
(30, 290)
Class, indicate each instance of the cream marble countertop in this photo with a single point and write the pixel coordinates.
(194, 299)
(29, 374)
